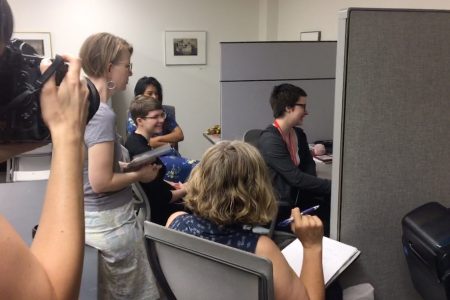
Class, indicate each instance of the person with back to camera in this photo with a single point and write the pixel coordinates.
(285, 149)
(163, 196)
(111, 226)
(178, 168)
(230, 187)
(51, 268)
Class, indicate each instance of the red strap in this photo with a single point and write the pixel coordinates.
(289, 143)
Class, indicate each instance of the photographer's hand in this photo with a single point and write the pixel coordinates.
(64, 109)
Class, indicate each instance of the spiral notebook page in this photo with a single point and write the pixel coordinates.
(336, 257)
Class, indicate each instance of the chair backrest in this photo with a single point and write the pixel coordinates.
(140, 198)
(252, 136)
(189, 267)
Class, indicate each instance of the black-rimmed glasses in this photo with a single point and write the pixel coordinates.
(162, 115)
(301, 105)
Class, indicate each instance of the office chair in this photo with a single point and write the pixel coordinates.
(282, 238)
(251, 136)
(191, 268)
(140, 200)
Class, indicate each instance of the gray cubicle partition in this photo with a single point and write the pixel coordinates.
(391, 138)
(249, 71)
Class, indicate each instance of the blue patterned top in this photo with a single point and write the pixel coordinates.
(233, 236)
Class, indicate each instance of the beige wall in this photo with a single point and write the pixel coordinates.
(295, 16)
(194, 90)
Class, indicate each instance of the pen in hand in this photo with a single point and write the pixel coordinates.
(288, 221)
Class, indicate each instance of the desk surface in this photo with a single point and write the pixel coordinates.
(21, 205)
(212, 138)
(323, 169)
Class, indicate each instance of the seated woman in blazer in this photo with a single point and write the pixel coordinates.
(284, 147)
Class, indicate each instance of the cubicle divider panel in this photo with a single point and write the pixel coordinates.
(250, 70)
(247, 107)
(393, 136)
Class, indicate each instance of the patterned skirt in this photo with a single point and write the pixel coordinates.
(124, 270)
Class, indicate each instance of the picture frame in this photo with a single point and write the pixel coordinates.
(40, 41)
(185, 48)
(310, 36)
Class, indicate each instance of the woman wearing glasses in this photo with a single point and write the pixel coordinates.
(110, 219)
(148, 115)
(285, 149)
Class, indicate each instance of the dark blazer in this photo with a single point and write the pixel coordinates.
(289, 180)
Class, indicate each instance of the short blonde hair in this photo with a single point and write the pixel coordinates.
(231, 185)
(99, 50)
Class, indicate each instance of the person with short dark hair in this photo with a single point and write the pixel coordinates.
(178, 167)
(164, 196)
(172, 132)
(285, 149)
(230, 188)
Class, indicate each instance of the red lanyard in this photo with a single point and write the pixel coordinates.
(289, 143)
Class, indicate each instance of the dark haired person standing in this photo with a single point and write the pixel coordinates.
(285, 149)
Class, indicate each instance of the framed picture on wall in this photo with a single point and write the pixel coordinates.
(310, 36)
(40, 41)
(185, 48)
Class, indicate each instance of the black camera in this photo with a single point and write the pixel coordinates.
(20, 87)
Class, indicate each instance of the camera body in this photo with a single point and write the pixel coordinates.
(20, 87)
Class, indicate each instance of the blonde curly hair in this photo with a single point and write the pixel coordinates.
(231, 185)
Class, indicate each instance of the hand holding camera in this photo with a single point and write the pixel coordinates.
(64, 108)
(22, 83)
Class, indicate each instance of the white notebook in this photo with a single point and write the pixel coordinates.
(336, 257)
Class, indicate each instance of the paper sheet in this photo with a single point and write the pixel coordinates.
(336, 257)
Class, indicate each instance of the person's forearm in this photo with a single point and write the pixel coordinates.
(155, 143)
(173, 137)
(312, 273)
(115, 182)
(59, 242)
(178, 194)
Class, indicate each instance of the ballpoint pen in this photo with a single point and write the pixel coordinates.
(288, 221)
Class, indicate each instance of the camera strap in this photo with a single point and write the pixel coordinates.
(37, 85)
(56, 64)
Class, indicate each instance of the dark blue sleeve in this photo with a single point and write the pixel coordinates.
(169, 123)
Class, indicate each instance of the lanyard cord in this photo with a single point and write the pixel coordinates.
(288, 141)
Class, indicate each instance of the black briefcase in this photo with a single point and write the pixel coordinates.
(426, 244)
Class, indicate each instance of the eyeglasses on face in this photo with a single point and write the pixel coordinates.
(128, 66)
(162, 115)
(301, 105)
